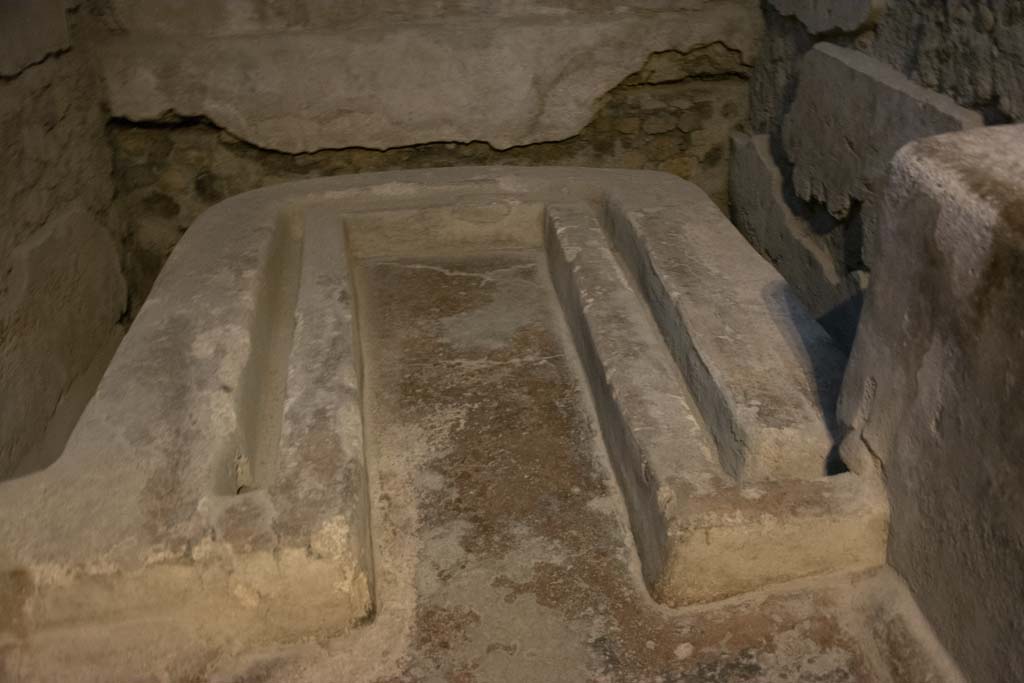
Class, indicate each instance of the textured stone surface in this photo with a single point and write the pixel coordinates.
(773, 81)
(933, 387)
(501, 549)
(972, 51)
(762, 372)
(30, 30)
(166, 176)
(804, 257)
(61, 289)
(840, 146)
(376, 84)
(827, 16)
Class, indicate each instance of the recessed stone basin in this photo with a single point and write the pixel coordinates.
(220, 473)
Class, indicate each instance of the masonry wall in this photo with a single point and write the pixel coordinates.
(839, 87)
(237, 95)
(61, 288)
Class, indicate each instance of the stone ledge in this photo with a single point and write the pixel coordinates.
(701, 535)
(932, 391)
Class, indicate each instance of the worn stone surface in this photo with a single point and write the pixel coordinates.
(932, 389)
(972, 51)
(30, 30)
(827, 16)
(375, 84)
(61, 288)
(840, 146)
(501, 548)
(807, 259)
(166, 176)
(701, 534)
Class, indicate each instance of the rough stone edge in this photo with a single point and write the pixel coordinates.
(760, 212)
(833, 16)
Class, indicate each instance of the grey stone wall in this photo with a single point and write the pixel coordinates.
(61, 287)
(839, 86)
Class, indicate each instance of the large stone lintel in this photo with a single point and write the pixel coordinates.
(376, 84)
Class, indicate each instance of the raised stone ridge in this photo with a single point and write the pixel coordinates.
(700, 534)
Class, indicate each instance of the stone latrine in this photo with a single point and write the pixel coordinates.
(487, 423)
(369, 408)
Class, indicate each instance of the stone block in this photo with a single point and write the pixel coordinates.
(832, 16)
(375, 84)
(933, 387)
(760, 211)
(850, 115)
(29, 31)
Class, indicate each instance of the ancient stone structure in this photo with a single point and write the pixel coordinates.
(62, 292)
(486, 423)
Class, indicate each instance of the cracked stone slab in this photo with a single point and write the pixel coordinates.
(850, 115)
(376, 84)
(832, 16)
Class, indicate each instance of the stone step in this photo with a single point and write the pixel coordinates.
(763, 373)
(700, 534)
